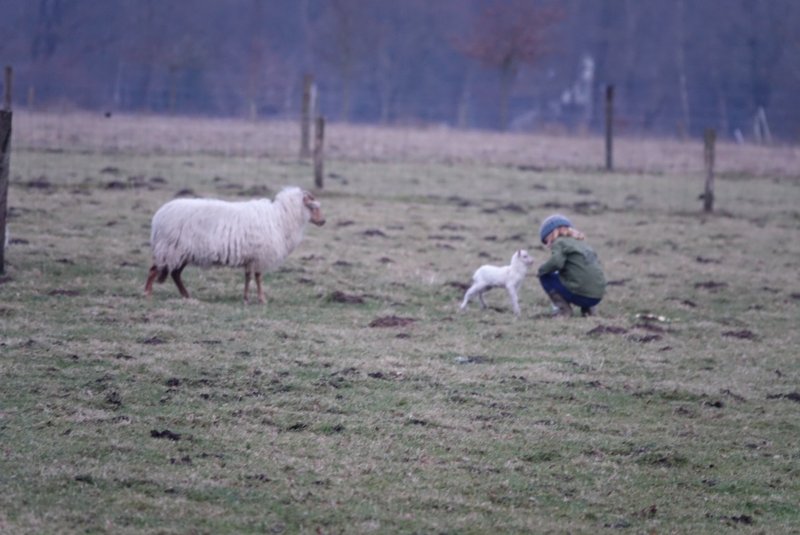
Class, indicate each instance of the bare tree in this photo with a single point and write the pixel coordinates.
(505, 37)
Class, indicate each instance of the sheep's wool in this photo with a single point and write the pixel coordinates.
(205, 232)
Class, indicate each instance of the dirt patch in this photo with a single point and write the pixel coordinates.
(114, 399)
(458, 285)
(39, 183)
(650, 327)
(61, 291)
(442, 237)
(791, 396)
(373, 233)
(607, 329)
(391, 321)
(742, 519)
(704, 260)
(589, 207)
(744, 334)
(166, 434)
(341, 297)
(712, 286)
(646, 338)
(453, 227)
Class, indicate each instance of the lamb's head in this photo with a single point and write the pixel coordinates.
(313, 206)
(522, 258)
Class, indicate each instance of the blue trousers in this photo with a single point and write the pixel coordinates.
(551, 283)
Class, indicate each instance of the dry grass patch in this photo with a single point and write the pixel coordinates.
(393, 412)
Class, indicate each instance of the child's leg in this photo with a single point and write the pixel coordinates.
(557, 293)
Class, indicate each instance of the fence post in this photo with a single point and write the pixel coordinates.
(5, 163)
(7, 88)
(305, 117)
(609, 127)
(319, 138)
(709, 138)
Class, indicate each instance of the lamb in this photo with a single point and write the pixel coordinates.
(487, 277)
(257, 235)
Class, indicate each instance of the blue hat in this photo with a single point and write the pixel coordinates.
(552, 223)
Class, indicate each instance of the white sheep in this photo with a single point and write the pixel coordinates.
(257, 235)
(510, 277)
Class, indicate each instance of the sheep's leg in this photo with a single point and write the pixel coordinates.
(247, 276)
(261, 298)
(176, 276)
(151, 277)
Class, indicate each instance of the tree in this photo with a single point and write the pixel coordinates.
(506, 36)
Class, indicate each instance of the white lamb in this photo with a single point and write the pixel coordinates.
(257, 235)
(510, 277)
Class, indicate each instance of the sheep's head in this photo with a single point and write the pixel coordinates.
(523, 256)
(314, 207)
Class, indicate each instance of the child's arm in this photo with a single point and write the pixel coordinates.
(556, 261)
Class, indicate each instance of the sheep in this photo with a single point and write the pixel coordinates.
(258, 235)
(487, 277)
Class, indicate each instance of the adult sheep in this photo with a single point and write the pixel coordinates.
(257, 235)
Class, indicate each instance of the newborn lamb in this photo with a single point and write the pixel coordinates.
(487, 277)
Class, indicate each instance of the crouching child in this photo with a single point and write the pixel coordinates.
(573, 274)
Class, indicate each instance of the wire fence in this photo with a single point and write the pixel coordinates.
(649, 173)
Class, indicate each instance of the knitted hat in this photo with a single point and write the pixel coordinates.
(552, 223)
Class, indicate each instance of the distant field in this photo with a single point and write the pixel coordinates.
(358, 400)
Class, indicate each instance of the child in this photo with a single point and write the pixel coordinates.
(573, 273)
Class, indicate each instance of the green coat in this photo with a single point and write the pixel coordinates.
(578, 267)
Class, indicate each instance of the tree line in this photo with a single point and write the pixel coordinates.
(678, 66)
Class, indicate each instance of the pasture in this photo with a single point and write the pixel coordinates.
(358, 399)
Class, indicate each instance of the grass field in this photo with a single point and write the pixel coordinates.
(358, 399)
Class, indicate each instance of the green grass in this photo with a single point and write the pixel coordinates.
(123, 415)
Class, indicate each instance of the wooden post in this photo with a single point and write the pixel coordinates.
(609, 127)
(710, 138)
(7, 87)
(305, 117)
(319, 138)
(5, 163)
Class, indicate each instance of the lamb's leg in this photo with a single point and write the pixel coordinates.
(480, 297)
(261, 298)
(151, 276)
(512, 293)
(176, 276)
(471, 292)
